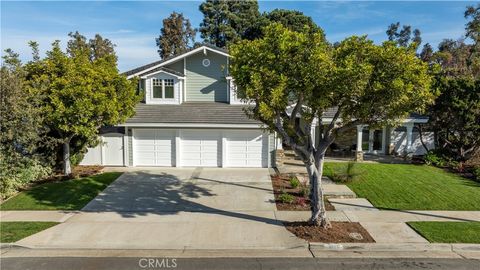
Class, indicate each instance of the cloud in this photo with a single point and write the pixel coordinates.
(133, 49)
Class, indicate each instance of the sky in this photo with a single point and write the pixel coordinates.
(133, 26)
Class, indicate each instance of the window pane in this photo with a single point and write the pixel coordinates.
(168, 82)
(168, 91)
(157, 91)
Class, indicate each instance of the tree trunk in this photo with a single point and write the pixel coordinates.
(420, 135)
(319, 213)
(67, 169)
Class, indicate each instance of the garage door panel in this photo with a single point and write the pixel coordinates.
(153, 147)
(245, 149)
(200, 148)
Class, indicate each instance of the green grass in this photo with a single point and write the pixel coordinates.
(448, 232)
(66, 195)
(14, 231)
(411, 187)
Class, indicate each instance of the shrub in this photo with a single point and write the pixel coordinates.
(435, 159)
(12, 178)
(476, 173)
(286, 198)
(294, 182)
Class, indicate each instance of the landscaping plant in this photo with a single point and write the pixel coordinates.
(286, 198)
(288, 75)
(294, 182)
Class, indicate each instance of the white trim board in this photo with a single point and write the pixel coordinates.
(191, 125)
(202, 48)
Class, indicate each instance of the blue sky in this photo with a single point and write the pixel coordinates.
(133, 26)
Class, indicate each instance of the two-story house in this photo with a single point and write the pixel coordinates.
(190, 117)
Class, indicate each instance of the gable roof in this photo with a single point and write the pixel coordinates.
(162, 69)
(148, 67)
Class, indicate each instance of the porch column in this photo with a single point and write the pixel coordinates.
(313, 131)
(359, 152)
(384, 140)
(408, 147)
(126, 162)
(370, 140)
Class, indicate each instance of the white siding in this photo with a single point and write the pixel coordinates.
(399, 141)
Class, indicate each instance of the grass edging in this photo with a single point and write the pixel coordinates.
(13, 231)
(71, 194)
(411, 187)
(452, 232)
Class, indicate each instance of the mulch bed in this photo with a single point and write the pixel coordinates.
(77, 172)
(281, 183)
(340, 232)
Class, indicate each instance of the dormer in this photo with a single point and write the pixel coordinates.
(199, 75)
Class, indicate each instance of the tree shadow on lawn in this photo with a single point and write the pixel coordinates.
(141, 193)
(407, 211)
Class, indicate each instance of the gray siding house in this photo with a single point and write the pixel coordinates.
(191, 116)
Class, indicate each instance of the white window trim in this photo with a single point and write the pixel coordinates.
(163, 98)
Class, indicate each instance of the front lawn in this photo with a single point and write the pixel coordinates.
(411, 187)
(448, 232)
(65, 195)
(13, 231)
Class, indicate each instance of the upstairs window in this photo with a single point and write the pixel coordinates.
(163, 88)
(168, 86)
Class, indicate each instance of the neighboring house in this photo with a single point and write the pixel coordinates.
(191, 116)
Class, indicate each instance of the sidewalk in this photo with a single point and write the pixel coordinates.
(45, 216)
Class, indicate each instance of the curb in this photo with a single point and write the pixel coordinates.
(392, 247)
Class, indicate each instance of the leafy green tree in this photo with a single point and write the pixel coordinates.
(455, 116)
(291, 19)
(404, 36)
(427, 53)
(367, 83)
(227, 21)
(176, 36)
(21, 129)
(80, 92)
(473, 26)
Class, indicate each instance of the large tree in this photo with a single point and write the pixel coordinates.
(176, 36)
(227, 21)
(81, 91)
(291, 19)
(455, 116)
(367, 84)
(404, 36)
(21, 129)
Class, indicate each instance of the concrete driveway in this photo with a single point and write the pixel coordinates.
(173, 208)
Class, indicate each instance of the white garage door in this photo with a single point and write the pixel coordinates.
(245, 149)
(153, 147)
(200, 148)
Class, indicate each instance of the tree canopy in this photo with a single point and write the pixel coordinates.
(367, 84)
(227, 21)
(404, 36)
(81, 91)
(176, 36)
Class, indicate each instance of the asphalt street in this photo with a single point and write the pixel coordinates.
(83, 263)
